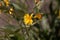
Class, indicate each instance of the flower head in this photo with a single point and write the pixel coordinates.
(38, 16)
(11, 10)
(28, 19)
(7, 2)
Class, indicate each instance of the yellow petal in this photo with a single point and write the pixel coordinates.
(28, 19)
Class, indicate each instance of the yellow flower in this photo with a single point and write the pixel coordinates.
(11, 10)
(7, 2)
(38, 16)
(28, 19)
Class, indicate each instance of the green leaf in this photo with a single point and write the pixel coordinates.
(10, 28)
(16, 6)
(21, 6)
(18, 37)
(36, 10)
